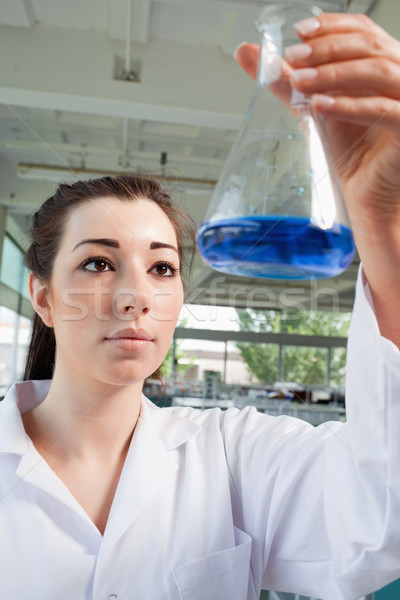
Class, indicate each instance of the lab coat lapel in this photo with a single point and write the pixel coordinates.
(19, 398)
(148, 467)
(32, 468)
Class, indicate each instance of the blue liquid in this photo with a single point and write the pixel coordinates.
(276, 247)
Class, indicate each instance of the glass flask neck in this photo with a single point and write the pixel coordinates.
(276, 25)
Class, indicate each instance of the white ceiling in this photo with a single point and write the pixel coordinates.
(62, 104)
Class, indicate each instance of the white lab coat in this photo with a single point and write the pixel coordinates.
(215, 505)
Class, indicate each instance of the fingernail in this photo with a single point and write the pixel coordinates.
(322, 101)
(304, 74)
(297, 52)
(307, 26)
(237, 49)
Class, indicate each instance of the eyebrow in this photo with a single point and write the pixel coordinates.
(115, 244)
(101, 241)
(157, 245)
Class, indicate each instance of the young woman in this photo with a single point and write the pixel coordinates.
(105, 496)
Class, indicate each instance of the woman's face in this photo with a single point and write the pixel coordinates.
(116, 292)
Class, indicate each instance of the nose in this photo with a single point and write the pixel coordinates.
(132, 301)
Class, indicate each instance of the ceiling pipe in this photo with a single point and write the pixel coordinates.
(124, 159)
(128, 37)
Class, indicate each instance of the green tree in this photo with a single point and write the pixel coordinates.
(261, 359)
(167, 365)
(166, 369)
(303, 364)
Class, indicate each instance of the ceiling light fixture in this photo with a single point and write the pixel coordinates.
(59, 174)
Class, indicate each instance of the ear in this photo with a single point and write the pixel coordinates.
(38, 292)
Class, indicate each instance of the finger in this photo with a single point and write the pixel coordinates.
(246, 56)
(340, 47)
(370, 112)
(377, 74)
(328, 23)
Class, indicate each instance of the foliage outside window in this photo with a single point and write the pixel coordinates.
(302, 364)
(167, 367)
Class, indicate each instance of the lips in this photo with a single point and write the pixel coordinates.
(131, 334)
(130, 340)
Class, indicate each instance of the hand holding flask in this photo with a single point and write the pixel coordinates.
(277, 210)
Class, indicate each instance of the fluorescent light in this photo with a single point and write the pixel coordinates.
(65, 174)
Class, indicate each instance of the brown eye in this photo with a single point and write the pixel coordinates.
(162, 269)
(96, 265)
(100, 265)
(165, 269)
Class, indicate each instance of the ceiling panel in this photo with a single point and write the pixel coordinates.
(17, 13)
(87, 121)
(188, 22)
(76, 14)
(175, 130)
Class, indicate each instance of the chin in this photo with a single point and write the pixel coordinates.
(128, 376)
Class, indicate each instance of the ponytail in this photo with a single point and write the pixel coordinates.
(41, 353)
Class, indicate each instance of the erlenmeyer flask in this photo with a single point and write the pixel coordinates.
(277, 210)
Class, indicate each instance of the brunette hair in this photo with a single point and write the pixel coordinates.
(48, 224)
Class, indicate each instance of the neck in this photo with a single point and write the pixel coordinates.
(84, 419)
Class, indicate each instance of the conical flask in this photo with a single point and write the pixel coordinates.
(277, 210)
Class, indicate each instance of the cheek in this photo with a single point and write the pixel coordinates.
(167, 306)
(73, 303)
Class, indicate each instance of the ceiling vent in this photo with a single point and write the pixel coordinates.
(121, 73)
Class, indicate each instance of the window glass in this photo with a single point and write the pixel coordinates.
(200, 316)
(259, 321)
(313, 322)
(14, 339)
(304, 364)
(13, 272)
(194, 357)
(338, 367)
(261, 361)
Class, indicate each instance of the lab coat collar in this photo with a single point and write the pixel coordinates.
(20, 398)
(167, 429)
(170, 429)
(149, 460)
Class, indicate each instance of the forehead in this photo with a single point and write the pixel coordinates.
(138, 220)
